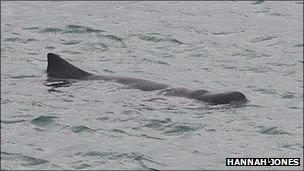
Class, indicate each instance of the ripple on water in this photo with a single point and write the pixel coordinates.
(118, 131)
(170, 128)
(103, 119)
(156, 38)
(50, 47)
(247, 53)
(12, 121)
(271, 131)
(268, 91)
(38, 104)
(31, 28)
(80, 29)
(257, 2)
(26, 160)
(151, 137)
(156, 123)
(100, 46)
(108, 71)
(6, 101)
(31, 40)
(23, 76)
(295, 146)
(82, 129)
(288, 95)
(43, 121)
(263, 38)
(222, 33)
(295, 108)
(180, 129)
(71, 42)
(299, 45)
(156, 62)
(50, 30)
(81, 166)
(71, 52)
(13, 39)
(107, 157)
(115, 38)
(19, 40)
(70, 29)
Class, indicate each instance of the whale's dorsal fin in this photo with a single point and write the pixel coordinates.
(59, 68)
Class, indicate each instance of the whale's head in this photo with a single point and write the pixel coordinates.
(224, 98)
(59, 68)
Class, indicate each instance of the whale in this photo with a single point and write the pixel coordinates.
(58, 68)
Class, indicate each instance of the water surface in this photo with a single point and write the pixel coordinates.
(252, 47)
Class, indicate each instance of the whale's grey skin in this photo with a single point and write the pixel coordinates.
(59, 68)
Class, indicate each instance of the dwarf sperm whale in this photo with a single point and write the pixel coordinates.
(60, 68)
